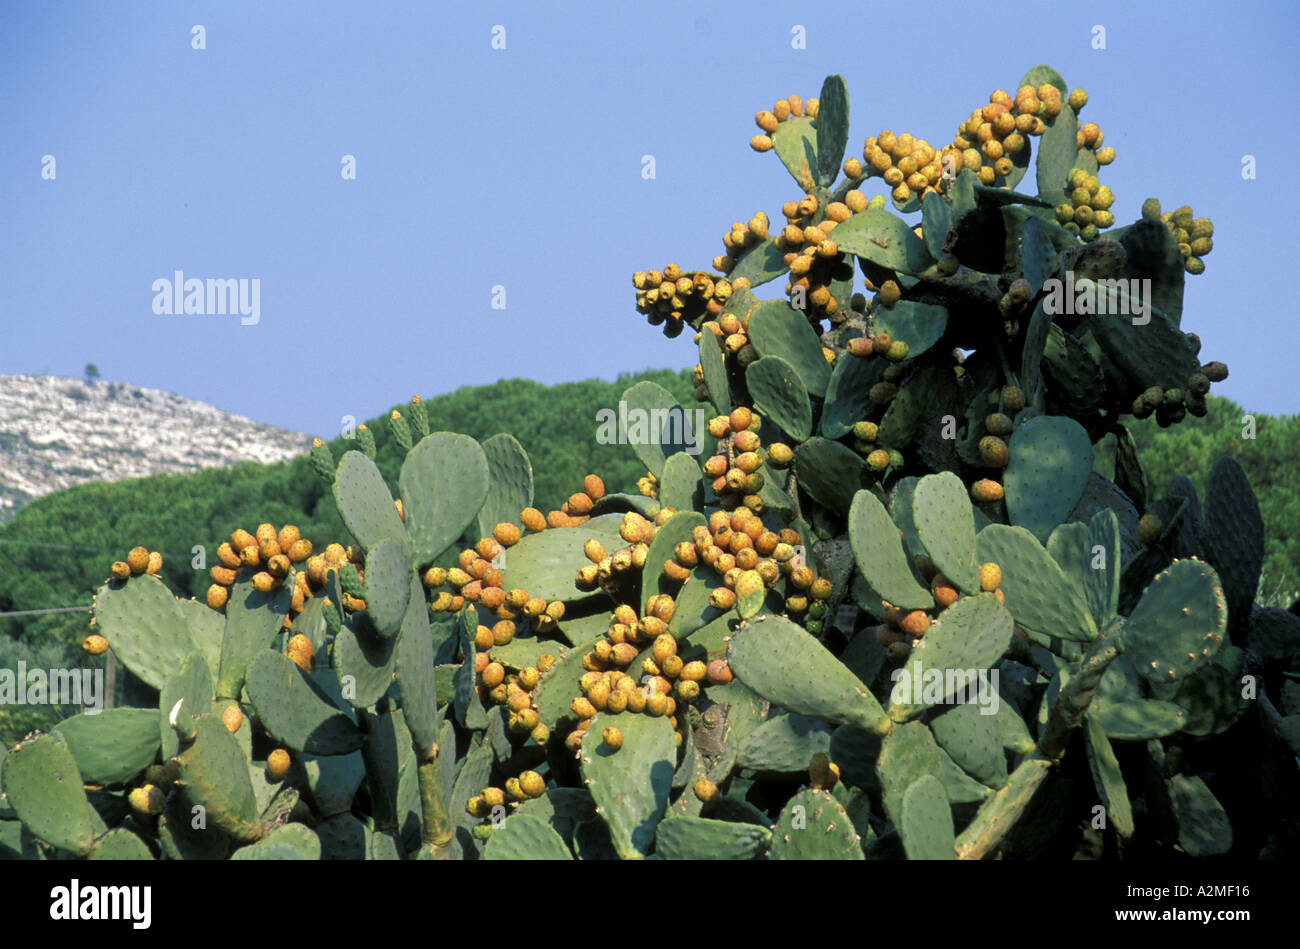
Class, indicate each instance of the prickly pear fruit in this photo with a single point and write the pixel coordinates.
(277, 764)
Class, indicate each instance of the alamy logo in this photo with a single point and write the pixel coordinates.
(670, 427)
(915, 686)
(133, 903)
(1101, 297)
(84, 687)
(213, 297)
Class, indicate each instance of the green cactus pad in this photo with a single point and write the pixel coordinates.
(780, 395)
(974, 740)
(884, 239)
(1178, 624)
(386, 754)
(365, 503)
(333, 782)
(387, 586)
(960, 787)
(936, 219)
(145, 626)
(926, 821)
(1234, 535)
(920, 325)
(180, 839)
(700, 838)
(560, 684)
(630, 786)
(785, 665)
(252, 621)
(830, 472)
(364, 665)
(1109, 780)
(1056, 150)
(510, 482)
(1203, 826)
(795, 143)
(545, 563)
(1031, 358)
(1093, 572)
(214, 773)
(522, 837)
(760, 264)
(714, 367)
(945, 525)
(681, 485)
(692, 611)
(192, 686)
(908, 753)
(778, 329)
(1139, 719)
(785, 744)
(832, 124)
(847, 400)
(289, 842)
(969, 636)
(1051, 457)
(475, 774)
(296, 712)
(911, 408)
(1150, 353)
(1038, 258)
(207, 627)
(881, 556)
(415, 670)
(443, 483)
(814, 826)
(468, 707)
(900, 509)
(675, 530)
(667, 430)
(44, 787)
(1012, 730)
(113, 745)
(1152, 253)
(120, 844)
(1043, 599)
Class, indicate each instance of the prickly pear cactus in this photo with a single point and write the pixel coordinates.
(861, 612)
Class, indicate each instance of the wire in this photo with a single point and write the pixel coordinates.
(59, 609)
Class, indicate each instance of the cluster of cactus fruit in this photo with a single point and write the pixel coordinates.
(766, 652)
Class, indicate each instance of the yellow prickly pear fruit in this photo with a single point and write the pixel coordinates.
(138, 560)
(761, 143)
(706, 790)
(532, 519)
(612, 737)
(1149, 529)
(95, 645)
(532, 784)
(147, 800)
(217, 596)
(993, 451)
(1013, 397)
(277, 764)
(1078, 99)
(300, 650)
(823, 773)
(986, 491)
(263, 582)
(232, 718)
(154, 564)
(990, 576)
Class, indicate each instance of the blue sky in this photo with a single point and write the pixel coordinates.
(521, 167)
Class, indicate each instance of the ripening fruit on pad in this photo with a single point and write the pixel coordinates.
(706, 790)
(95, 645)
(277, 764)
(1149, 529)
(612, 737)
(232, 718)
(990, 577)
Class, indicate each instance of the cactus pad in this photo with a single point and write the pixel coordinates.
(522, 837)
(926, 824)
(789, 668)
(294, 709)
(1178, 624)
(631, 785)
(44, 787)
(881, 556)
(444, 481)
(145, 626)
(815, 826)
(1051, 458)
(700, 838)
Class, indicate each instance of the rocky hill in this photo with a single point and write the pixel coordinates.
(56, 432)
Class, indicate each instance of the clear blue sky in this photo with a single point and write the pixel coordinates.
(522, 167)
